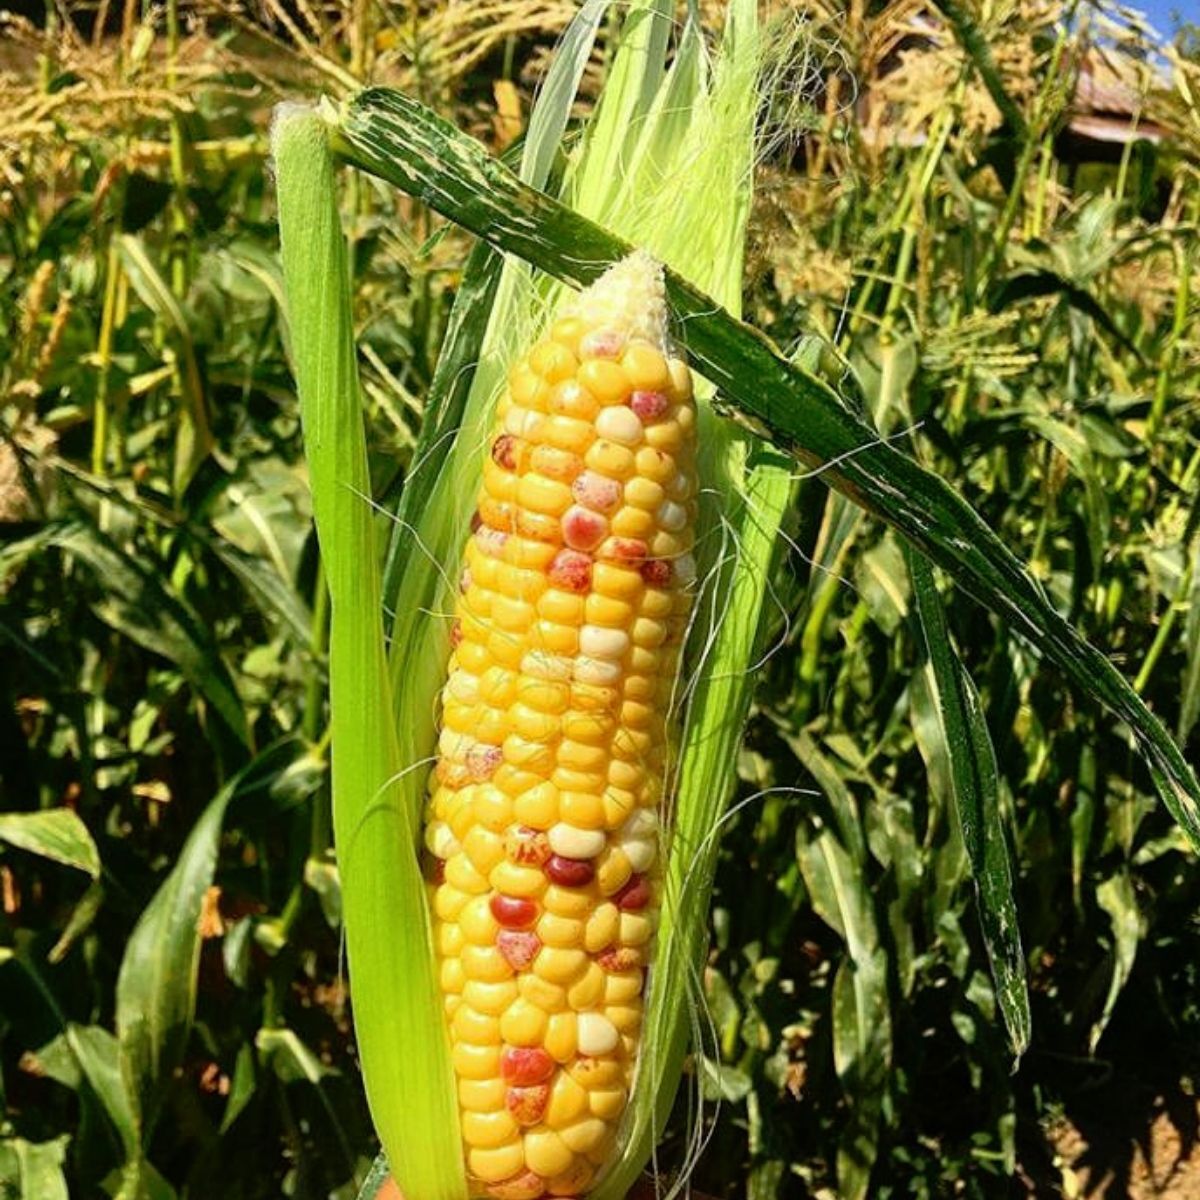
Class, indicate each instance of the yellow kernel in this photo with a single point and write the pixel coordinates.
(632, 744)
(546, 496)
(553, 361)
(619, 582)
(488, 1130)
(451, 974)
(533, 757)
(657, 603)
(549, 997)
(568, 1101)
(498, 686)
(613, 870)
(643, 661)
(602, 928)
(645, 368)
(563, 608)
(526, 553)
(594, 697)
(500, 485)
(492, 808)
(644, 493)
(588, 990)
(665, 435)
(554, 638)
(560, 965)
(524, 386)
(570, 399)
(560, 931)
(512, 880)
(681, 379)
(665, 545)
(479, 1029)
(504, 647)
(477, 923)
(595, 1071)
(632, 522)
(578, 756)
(567, 901)
(476, 1062)
(493, 998)
(618, 807)
(605, 380)
(637, 716)
(491, 1166)
(636, 929)
(462, 875)
(524, 1024)
(648, 633)
(584, 1136)
(538, 808)
(626, 1017)
(484, 848)
(605, 610)
(568, 331)
(567, 433)
(622, 986)
(608, 458)
(545, 1153)
(607, 1103)
(555, 464)
(450, 939)
(603, 1150)
(645, 687)
(534, 725)
(562, 1037)
(654, 464)
(572, 1182)
(544, 696)
(448, 902)
(482, 1095)
(582, 809)
(485, 963)
(538, 527)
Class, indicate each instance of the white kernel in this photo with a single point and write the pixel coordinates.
(596, 1034)
(641, 852)
(572, 842)
(685, 568)
(602, 343)
(463, 686)
(643, 823)
(514, 420)
(619, 424)
(597, 671)
(440, 840)
(556, 668)
(680, 487)
(671, 516)
(597, 642)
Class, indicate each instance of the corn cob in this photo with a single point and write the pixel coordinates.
(543, 817)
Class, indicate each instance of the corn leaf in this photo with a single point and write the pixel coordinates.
(398, 1011)
(398, 139)
(975, 787)
(57, 833)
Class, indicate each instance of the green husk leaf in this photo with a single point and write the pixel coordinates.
(56, 833)
(398, 1011)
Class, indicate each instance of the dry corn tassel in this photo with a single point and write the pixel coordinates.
(543, 817)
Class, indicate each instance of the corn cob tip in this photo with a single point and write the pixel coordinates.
(628, 301)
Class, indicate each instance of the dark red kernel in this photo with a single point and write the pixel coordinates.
(504, 451)
(570, 872)
(634, 895)
(656, 572)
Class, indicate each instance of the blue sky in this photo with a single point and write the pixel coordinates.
(1159, 12)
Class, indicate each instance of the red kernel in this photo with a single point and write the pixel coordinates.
(527, 1104)
(504, 451)
(526, 1066)
(634, 895)
(571, 570)
(570, 872)
(519, 949)
(529, 847)
(656, 572)
(513, 912)
(648, 405)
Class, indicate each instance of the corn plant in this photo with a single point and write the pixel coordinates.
(618, 190)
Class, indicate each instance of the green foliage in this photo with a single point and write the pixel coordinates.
(1027, 326)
